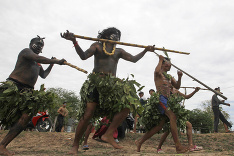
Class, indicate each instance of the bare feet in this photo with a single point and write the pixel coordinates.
(138, 146)
(229, 131)
(182, 149)
(74, 150)
(111, 141)
(4, 151)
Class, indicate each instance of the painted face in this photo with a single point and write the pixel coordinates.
(37, 45)
(114, 37)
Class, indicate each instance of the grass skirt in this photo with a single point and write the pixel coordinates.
(151, 116)
(114, 95)
(13, 103)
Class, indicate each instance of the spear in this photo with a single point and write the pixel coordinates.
(197, 80)
(128, 44)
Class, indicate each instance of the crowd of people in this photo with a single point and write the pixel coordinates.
(104, 95)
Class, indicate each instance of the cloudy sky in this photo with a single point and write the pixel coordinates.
(204, 28)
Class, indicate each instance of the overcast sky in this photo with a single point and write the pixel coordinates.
(204, 28)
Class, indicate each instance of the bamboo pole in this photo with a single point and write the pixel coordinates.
(73, 66)
(128, 44)
(194, 88)
(197, 80)
(185, 92)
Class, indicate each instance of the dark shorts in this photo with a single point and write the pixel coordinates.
(94, 95)
(19, 85)
(162, 104)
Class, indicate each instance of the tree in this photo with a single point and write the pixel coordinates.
(201, 120)
(65, 95)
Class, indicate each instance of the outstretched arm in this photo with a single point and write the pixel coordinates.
(219, 101)
(29, 54)
(83, 55)
(191, 94)
(131, 58)
(227, 104)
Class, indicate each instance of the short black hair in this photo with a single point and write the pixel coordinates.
(38, 38)
(64, 102)
(151, 90)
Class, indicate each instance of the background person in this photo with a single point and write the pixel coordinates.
(218, 114)
(60, 119)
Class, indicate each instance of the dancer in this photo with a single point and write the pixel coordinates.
(103, 94)
(155, 116)
(22, 81)
(192, 147)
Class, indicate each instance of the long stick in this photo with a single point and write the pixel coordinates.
(73, 66)
(185, 92)
(128, 44)
(197, 80)
(194, 88)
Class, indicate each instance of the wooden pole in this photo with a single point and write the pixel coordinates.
(194, 88)
(128, 44)
(73, 66)
(197, 80)
(185, 92)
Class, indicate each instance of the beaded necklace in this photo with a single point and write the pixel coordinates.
(104, 49)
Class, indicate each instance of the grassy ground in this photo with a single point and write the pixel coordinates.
(51, 143)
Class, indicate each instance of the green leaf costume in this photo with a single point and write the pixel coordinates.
(114, 95)
(13, 103)
(151, 115)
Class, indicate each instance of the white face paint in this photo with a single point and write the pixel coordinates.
(37, 46)
(114, 37)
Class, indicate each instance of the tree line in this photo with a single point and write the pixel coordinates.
(201, 119)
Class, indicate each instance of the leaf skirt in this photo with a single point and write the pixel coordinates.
(13, 103)
(114, 95)
(151, 116)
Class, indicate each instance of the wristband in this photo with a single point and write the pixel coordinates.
(75, 44)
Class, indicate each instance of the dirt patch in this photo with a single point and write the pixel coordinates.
(52, 143)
